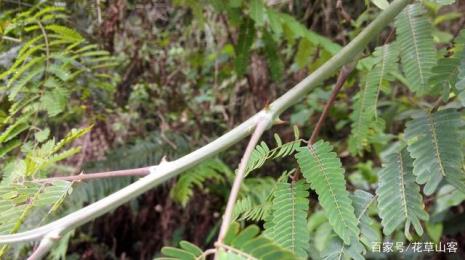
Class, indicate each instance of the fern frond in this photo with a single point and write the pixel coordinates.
(434, 143)
(289, 215)
(323, 170)
(399, 198)
(418, 55)
(213, 169)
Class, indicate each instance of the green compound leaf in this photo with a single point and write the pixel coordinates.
(418, 55)
(323, 170)
(399, 198)
(434, 143)
(289, 215)
(365, 121)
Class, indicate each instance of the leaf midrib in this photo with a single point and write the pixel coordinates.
(323, 170)
(434, 140)
(415, 44)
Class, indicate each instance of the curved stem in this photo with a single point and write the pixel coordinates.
(161, 173)
(259, 129)
(45, 244)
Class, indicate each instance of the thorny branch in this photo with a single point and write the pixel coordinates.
(165, 171)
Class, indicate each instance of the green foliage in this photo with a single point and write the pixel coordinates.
(139, 153)
(213, 169)
(49, 64)
(332, 247)
(20, 193)
(45, 70)
(364, 201)
(189, 70)
(295, 29)
(262, 152)
(244, 43)
(289, 215)
(17, 202)
(365, 121)
(186, 251)
(274, 25)
(275, 63)
(418, 55)
(248, 243)
(256, 199)
(434, 141)
(399, 198)
(323, 170)
(245, 244)
(39, 159)
(448, 73)
(444, 2)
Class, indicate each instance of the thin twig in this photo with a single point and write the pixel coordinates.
(437, 104)
(99, 12)
(11, 39)
(45, 244)
(83, 149)
(261, 126)
(389, 37)
(343, 12)
(206, 253)
(345, 71)
(138, 172)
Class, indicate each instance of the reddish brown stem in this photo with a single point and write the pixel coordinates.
(345, 71)
(138, 172)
